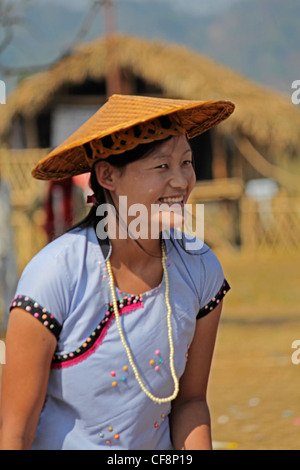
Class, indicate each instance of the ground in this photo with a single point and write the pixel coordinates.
(254, 386)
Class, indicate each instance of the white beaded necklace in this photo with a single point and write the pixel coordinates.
(125, 345)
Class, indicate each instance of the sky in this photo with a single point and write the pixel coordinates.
(202, 7)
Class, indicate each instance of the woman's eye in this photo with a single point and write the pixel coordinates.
(187, 162)
(163, 165)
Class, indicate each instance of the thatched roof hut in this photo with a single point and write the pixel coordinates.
(269, 120)
(264, 121)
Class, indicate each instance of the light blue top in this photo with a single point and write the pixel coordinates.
(93, 399)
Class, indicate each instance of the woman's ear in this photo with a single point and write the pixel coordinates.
(106, 175)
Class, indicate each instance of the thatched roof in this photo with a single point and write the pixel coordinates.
(181, 73)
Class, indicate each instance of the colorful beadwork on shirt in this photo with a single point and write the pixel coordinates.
(38, 312)
(126, 305)
(215, 301)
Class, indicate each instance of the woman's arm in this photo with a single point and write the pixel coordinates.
(29, 350)
(190, 418)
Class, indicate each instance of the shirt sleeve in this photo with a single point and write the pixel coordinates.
(44, 291)
(215, 286)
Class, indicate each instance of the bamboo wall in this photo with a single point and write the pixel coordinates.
(26, 198)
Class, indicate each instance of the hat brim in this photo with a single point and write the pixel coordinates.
(120, 114)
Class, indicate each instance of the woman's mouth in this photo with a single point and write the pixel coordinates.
(172, 200)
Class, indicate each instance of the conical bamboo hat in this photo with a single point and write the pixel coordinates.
(123, 123)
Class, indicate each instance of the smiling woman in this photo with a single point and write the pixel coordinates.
(162, 179)
(113, 327)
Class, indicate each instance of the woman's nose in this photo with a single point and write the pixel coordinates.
(178, 180)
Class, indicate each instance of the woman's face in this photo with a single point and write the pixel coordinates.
(160, 183)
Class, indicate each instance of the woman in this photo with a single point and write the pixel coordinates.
(121, 354)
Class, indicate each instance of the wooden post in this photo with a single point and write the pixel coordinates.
(219, 157)
(113, 76)
(31, 134)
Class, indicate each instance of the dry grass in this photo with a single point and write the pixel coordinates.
(254, 388)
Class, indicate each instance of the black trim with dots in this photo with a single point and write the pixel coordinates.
(215, 301)
(59, 359)
(37, 311)
(47, 319)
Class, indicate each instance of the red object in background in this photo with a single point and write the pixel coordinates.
(58, 223)
(82, 181)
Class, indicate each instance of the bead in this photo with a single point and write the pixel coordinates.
(156, 425)
(114, 384)
(110, 429)
(123, 379)
(125, 368)
(115, 309)
(117, 436)
(156, 369)
(113, 374)
(108, 442)
(160, 361)
(101, 434)
(157, 352)
(151, 362)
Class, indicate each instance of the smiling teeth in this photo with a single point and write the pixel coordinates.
(172, 200)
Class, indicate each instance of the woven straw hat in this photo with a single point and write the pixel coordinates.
(125, 122)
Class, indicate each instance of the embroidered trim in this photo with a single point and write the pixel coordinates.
(215, 301)
(126, 305)
(38, 312)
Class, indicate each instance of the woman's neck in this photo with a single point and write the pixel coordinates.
(135, 252)
(136, 269)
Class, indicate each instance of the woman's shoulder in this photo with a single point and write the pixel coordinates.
(59, 262)
(196, 261)
(189, 247)
(50, 278)
(68, 247)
